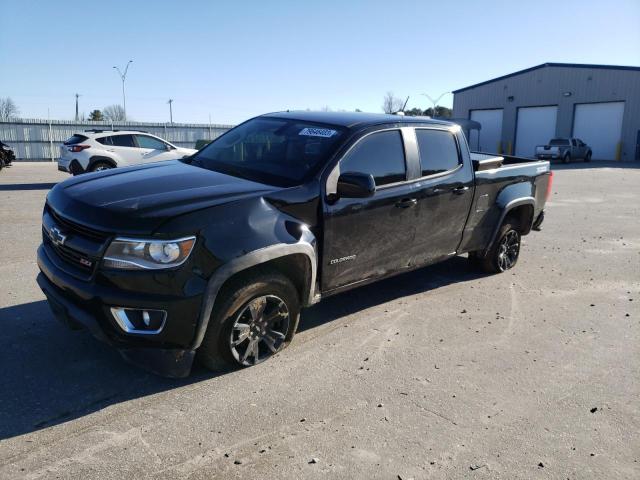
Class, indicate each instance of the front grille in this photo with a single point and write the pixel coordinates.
(76, 228)
(76, 259)
(77, 248)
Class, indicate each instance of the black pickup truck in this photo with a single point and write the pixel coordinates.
(216, 254)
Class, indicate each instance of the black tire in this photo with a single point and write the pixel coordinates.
(100, 166)
(234, 308)
(588, 157)
(505, 251)
(566, 159)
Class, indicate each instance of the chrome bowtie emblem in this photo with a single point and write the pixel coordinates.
(56, 236)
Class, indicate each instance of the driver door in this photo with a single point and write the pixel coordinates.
(153, 149)
(365, 238)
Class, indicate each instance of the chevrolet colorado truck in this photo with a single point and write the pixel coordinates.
(565, 149)
(213, 256)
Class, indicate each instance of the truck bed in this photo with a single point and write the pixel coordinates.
(498, 180)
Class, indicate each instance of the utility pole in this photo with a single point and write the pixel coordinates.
(170, 111)
(77, 117)
(123, 77)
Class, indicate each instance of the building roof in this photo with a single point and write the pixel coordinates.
(352, 119)
(549, 64)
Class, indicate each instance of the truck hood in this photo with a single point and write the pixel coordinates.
(137, 200)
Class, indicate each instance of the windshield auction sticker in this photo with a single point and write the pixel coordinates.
(317, 132)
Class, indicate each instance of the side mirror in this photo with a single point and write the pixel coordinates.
(355, 185)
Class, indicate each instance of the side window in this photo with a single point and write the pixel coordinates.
(438, 151)
(122, 141)
(104, 140)
(573, 142)
(380, 154)
(149, 142)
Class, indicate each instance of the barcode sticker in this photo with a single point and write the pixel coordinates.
(317, 132)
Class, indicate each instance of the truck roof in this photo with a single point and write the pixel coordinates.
(352, 119)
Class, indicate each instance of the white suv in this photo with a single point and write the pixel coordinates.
(95, 150)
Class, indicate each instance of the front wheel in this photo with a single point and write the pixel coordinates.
(256, 318)
(504, 253)
(588, 157)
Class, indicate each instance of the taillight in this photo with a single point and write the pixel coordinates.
(549, 184)
(78, 148)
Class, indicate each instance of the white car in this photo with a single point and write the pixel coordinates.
(95, 150)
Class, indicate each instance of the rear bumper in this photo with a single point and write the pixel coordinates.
(84, 305)
(547, 156)
(68, 165)
(537, 224)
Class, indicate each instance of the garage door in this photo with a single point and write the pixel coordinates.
(488, 138)
(599, 125)
(536, 126)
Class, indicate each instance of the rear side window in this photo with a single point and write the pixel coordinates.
(75, 139)
(122, 141)
(380, 154)
(104, 140)
(438, 151)
(145, 141)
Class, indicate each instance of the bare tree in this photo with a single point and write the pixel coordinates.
(114, 113)
(8, 109)
(391, 103)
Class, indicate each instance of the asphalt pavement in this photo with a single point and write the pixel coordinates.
(440, 373)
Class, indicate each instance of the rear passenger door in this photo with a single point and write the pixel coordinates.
(444, 192)
(369, 237)
(124, 148)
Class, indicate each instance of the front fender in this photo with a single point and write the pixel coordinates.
(306, 245)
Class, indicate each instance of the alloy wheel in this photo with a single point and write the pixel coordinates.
(259, 330)
(508, 250)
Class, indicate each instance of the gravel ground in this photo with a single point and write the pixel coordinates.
(440, 373)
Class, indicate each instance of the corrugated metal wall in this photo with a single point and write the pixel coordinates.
(563, 86)
(39, 140)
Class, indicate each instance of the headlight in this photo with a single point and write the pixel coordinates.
(138, 254)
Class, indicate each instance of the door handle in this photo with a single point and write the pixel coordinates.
(460, 190)
(407, 203)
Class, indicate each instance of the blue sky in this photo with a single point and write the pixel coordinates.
(236, 59)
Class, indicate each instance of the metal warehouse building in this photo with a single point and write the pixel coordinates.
(600, 104)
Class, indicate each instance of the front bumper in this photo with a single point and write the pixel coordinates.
(86, 304)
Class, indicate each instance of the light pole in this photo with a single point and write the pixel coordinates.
(170, 111)
(123, 77)
(435, 102)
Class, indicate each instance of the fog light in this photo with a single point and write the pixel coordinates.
(133, 320)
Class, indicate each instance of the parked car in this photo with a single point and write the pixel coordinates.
(565, 149)
(95, 150)
(218, 253)
(6, 155)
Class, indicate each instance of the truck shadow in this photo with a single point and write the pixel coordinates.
(52, 375)
(7, 187)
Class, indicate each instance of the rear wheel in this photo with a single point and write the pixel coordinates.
(100, 166)
(256, 318)
(566, 158)
(503, 254)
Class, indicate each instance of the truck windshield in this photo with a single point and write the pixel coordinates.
(559, 141)
(271, 150)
